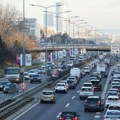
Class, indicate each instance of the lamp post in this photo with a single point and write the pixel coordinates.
(74, 34)
(46, 11)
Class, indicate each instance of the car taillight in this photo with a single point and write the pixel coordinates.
(98, 103)
(61, 118)
(75, 118)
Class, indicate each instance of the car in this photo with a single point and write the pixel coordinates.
(112, 99)
(117, 87)
(73, 78)
(87, 69)
(114, 93)
(97, 85)
(33, 72)
(70, 63)
(114, 107)
(94, 103)
(2, 84)
(35, 78)
(115, 83)
(65, 81)
(104, 74)
(87, 84)
(47, 95)
(98, 75)
(85, 92)
(11, 88)
(69, 115)
(26, 75)
(61, 87)
(112, 115)
(71, 83)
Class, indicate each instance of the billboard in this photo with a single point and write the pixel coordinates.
(42, 57)
(28, 59)
(115, 48)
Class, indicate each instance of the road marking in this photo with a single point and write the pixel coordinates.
(25, 111)
(67, 105)
(78, 91)
(73, 97)
(58, 115)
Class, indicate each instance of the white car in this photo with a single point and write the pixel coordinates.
(112, 115)
(112, 100)
(87, 69)
(114, 106)
(33, 72)
(61, 87)
(65, 81)
(85, 92)
(88, 84)
(26, 75)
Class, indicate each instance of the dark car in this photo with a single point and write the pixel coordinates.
(103, 74)
(2, 84)
(35, 78)
(68, 115)
(97, 85)
(94, 103)
(11, 88)
(72, 84)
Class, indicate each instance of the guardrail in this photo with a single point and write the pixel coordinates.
(21, 98)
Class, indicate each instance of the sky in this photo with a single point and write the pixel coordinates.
(100, 14)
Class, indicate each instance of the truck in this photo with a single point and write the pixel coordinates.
(14, 74)
(76, 72)
(101, 67)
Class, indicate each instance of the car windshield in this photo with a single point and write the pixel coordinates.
(113, 98)
(68, 114)
(95, 82)
(87, 84)
(92, 99)
(35, 76)
(86, 89)
(69, 81)
(114, 107)
(113, 113)
(47, 93)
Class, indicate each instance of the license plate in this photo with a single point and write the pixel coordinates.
(67, 119)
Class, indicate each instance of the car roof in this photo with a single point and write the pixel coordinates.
(87, 83)
(113, 96)
(93, 96)
(68, 112)
(85, 87)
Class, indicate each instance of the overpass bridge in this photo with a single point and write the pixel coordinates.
(88, 47)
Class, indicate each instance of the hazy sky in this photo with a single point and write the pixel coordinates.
(101, 14)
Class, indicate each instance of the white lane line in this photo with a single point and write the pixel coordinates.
(78, 91)
(67, 105)
(25, 111)
(58, 115)
(73, 97)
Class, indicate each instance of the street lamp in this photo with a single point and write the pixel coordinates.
(46, 11)
(74, 34)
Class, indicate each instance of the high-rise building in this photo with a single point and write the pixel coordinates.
(59, 9)
(33, 27)
(50, 20)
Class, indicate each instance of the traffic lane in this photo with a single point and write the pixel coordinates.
(4, 97)
(51, 111)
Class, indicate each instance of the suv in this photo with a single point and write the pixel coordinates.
(94, 103)
(68, 115)
(96, 84)
(86, 91)
(47, 95)
(35, 78)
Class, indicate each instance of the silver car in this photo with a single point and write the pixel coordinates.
(47, 95)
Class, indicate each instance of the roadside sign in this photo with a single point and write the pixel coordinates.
(115, 48)
(23, 85)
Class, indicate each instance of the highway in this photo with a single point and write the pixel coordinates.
(64, 102)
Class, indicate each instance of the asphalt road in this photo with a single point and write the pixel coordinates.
(64, 102)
